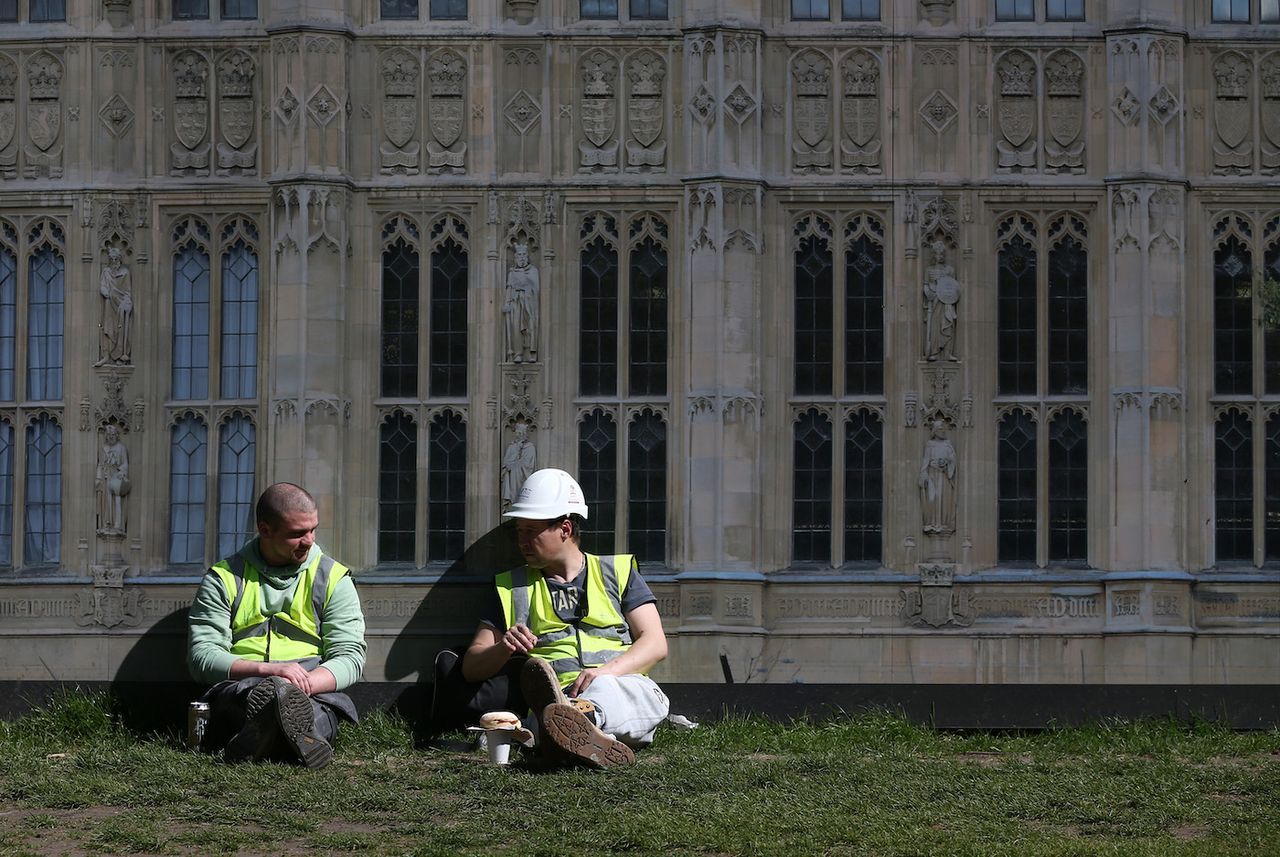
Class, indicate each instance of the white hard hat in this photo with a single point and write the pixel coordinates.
(548, 493)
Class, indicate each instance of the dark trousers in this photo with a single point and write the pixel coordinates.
(227, 701)
(456, 702)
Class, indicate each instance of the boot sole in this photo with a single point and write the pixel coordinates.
(541, 687)
(297, 721)
(576, 739)
(254, 741)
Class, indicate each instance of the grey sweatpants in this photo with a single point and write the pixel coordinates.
(632, 707)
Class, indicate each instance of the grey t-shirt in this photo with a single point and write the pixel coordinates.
(570, 602)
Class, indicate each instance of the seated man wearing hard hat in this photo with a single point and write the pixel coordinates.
(586, 628)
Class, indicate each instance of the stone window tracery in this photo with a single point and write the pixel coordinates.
(188, 488)
(446, 487)
(397, 488)
(237, 450)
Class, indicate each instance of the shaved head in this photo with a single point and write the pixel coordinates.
(283, 498)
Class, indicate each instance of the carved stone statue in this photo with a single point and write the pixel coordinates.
(116, 287)
(111, 484)
(938, 482)
(518, 462)
(520, 309)
(941, 297)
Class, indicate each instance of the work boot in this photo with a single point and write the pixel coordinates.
(569, 735)
(541, 687)
(261, 727)
(296, 719)
(589, 708)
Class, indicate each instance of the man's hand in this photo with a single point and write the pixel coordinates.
(519, 640)
(290, 672)
(584, 679)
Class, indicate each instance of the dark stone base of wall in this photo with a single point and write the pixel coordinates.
(160, 706)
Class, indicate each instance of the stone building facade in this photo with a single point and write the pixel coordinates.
(904, 342)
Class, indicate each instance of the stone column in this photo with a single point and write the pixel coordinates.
(1145, 250)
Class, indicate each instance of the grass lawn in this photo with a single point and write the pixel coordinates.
(73, 781)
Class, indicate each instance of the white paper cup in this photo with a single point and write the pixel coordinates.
(499, 741)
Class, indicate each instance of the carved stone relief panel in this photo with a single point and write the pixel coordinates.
(699, 61)
(1124, 136)
(1164, 104)
(286, 104)
(1269, 113)
(1016, 98)
(811, 95)
(114, 85)
(646, 112)
(237, 148)
(44, 116)
(521, 138)
(741, 104)
(1064, 112)
(860, 125)
(8, 117)
(936, 94)
(325, 107)
(399, 151)
(446, 112)
(1232, 120)
(598, 106)
(189, 151)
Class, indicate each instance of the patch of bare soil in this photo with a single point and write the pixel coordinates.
(31, 827)
(1190, 832)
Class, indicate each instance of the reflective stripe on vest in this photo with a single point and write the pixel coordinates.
(597, 638)
(295, 633)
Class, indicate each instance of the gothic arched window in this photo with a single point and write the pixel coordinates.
(1233, 487)
(397, 488)
(1068, 488)
(864, 309)
(190, 311)
(188, 489)
(400, 314)
(648, 316)
(1068, 355)
(814, 308)
(598, 476)
(237, 452)
(1016, 308)
(448, 330)
(1232, 316)
(647, 487)
(598, 308)
(863, 487)
(1016, 489)
(446, 487)
(811, 489)
(8, 312)
(6, 493)
(45, 322)
(42, 542)
(239, 322)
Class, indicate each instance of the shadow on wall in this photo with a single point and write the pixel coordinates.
(151, 688)
(446, 618)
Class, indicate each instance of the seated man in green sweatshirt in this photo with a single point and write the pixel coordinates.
(277, 629)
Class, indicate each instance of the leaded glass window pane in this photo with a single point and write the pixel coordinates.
(1016, 318)
(191, 324)
(45, 325)
(647, 488)
(239, 10)
(48, 10)
(190, 10)
(1270, 11)
(863, 488)
(1064, 10)
(860, 10)
(648, 10)
(6, 494)
(1015, 10)
(1016, 497)
(598, 325)
(1068, 318)
(811, 489)
(815, 332)
(598, 9)
(1271, 333)
(1232, 318)
(1233, 488)
(648, 351)
(42, 544)
(400, 320)
(447, 488)
(1068, 488)
(236, 460)
(8, 325)
(864, 318)
(448, 10)
(810, 10)
(397, 488)
(448, 341)
(239, 323)
(598, 476)
(8, 11)
(188, 489)
(392, 10)
(1271, 454)
(1231, 11)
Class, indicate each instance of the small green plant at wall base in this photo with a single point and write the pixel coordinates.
(1268, 299)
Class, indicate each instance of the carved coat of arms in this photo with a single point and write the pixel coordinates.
(399, 119)
(861, 119)
(599, 118)
(8, 122)
(1231, 115)
(812, 119)
(1066, 119)
(1017, 117)
(445, 116)
(192, 122)
(646, 120)
(44, 122)
(236, 115)
(1270, 120)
